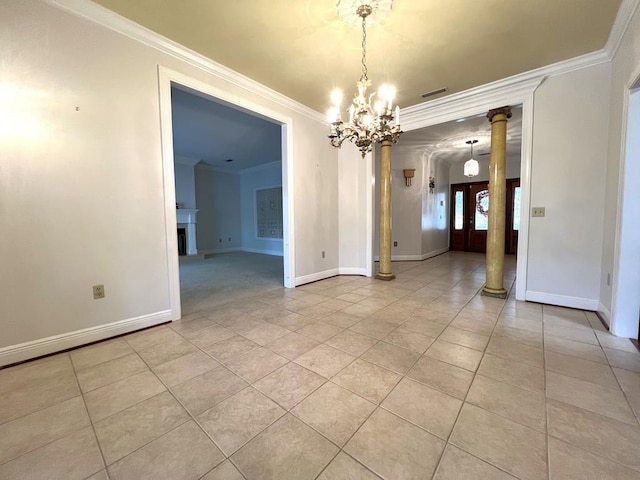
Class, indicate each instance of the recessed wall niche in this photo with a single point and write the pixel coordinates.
(269, 213)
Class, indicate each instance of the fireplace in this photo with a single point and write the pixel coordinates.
(182, 241)
(186, 220)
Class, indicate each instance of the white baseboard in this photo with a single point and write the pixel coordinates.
(57, 343)
(220, 250)
(435, 253)
(314, 277)
(562, 300)
(605, 313)
(276, 253)
(352, 271)
(411, 258)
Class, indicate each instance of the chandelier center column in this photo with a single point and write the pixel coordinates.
(385, 212)
(494, 285)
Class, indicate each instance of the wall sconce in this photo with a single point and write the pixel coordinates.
(432, 184)
(408, 176)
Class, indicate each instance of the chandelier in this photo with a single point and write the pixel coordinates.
(372, 119)
(471, 166)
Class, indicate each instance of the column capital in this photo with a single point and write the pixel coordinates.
(497, 111)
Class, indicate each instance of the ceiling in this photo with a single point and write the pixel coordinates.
(447, 141)
(302, 49)
(214, 133)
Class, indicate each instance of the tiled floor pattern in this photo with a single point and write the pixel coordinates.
(344, 378)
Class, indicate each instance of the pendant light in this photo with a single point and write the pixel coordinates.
(471, 166)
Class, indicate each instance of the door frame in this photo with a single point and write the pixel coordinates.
(625, 296)
(166, 79)
(470, 103)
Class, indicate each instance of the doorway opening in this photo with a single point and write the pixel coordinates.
(219, 151)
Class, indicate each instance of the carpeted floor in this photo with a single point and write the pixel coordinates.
(225, 277)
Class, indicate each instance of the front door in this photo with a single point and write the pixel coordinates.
(470, 216)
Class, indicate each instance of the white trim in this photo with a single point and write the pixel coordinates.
(221, 250)
(167, 77)
(259, 168)
(620, 25)
(412, 258)
(64, 341)
(263, 251)
(434, 253)
(563, 300)
(618, 325)
(352, 271)
(169, 190)
(370, 210)
(605, 313)
(111, 20)
(185, 160)
(314, 277)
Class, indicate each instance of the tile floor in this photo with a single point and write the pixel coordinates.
(344, 378)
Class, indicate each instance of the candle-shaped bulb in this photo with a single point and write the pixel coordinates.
(336, 97)
(378, 108)
(397, 114)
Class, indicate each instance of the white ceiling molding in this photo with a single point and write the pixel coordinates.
(206, 166)
(259, 168)
(625, 13)
(185, 160)
(111, 20)
(509, 91)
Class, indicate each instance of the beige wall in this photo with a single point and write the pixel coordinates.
(82, 180)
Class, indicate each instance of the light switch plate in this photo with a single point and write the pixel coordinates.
(537, 212)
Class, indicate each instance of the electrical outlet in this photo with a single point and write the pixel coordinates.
(537, 212)
(98, 291)
(395, 244)
(322, 253)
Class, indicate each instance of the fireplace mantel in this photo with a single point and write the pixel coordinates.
(187, 217)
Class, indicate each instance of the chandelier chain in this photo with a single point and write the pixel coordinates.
(364, 48)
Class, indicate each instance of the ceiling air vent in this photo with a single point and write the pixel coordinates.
(434, 92)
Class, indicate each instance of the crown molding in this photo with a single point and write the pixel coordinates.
(620, 25)
(117, 23)
(259, 168)
(186, 160)
(501, 92)
(206, 166)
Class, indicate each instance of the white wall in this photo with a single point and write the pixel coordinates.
(185, 185)
(435, 208)
(81, 152)
(355, 177)
(218, 200)
(625, 70)
(264, 176)
(418, 221)
(570, 134)
(456, 171)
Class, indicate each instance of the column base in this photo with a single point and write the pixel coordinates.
(385, 276)
(494, 292)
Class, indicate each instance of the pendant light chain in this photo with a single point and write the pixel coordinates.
(364, 48)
